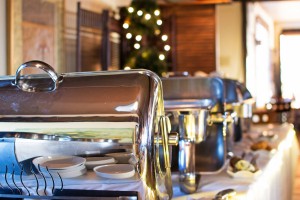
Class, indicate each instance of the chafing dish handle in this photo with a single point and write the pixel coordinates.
(40, 65)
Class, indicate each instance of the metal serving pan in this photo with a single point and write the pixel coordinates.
(116, 109)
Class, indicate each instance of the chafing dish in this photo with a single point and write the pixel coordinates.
(238, 102)
(45, 114)
(195, 106)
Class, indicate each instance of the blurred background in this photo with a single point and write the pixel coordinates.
(254, 42)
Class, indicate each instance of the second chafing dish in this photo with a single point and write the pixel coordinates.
(238, 102)
(196, 108)
(112, 111)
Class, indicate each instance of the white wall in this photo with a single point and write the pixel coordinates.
(3, 63)
(229, 41)
(254, 10)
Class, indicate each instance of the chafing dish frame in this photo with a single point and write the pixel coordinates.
(151, 132)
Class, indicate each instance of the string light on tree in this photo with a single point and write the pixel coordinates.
(161, 57)
(147, 16)
(128, 35)
(167, 47)
(159, 22)
(130, 9)
(148, 45)
(125, 25)
(138, 38)
(137, 46)
(164, 37)
(139, 13)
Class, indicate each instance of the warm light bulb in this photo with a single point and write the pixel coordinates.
(156, 12)
(167, 47)
(157, 32)
(139, 13)
(159, 22)
(161, 57)
(164, 37)
(130, 10)
(128, 35)
(138, 38)
(127, 68)
(137, 46)
(147, 16)
(269, 106)
(126, 25)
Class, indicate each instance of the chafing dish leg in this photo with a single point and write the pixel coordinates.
(188, 179)
(189, 182)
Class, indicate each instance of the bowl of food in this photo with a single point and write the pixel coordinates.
(241, 168)
(263, 149)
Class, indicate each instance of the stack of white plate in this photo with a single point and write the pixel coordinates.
(65, 166)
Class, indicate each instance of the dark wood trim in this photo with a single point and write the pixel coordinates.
(290, 32)
(173, 43)
(106, 47)
(78, 39)
(123, 46)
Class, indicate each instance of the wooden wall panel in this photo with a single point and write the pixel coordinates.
(195, 37)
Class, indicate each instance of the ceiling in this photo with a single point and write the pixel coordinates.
(280, 11)
(283, 11)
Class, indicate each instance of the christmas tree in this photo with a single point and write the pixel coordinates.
(148, 45)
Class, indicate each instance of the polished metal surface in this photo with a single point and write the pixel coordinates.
(188, 104)
(195, 106)
(117, 97)
(26, 84)
(193, 126)
(192, 131)
(189, 182)
(239, 104)
(197, 92)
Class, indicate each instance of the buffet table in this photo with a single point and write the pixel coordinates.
(277, 169)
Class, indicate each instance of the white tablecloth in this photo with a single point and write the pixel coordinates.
(275, 181)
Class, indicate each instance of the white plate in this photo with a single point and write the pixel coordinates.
(92, 162)
(115, 171)
(121, 157)
(73, 169)
(67, 173)
(58, 162)
(243, 174)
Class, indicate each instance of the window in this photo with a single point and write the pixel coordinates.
(259, 73)
(289, 65)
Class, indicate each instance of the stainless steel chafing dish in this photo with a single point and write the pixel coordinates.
(86, 113)
(238, 102)
(195, 106)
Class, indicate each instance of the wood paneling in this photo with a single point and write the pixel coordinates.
(194, 40)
